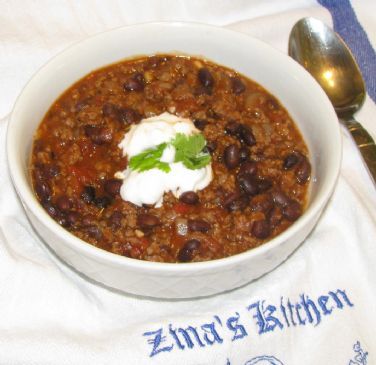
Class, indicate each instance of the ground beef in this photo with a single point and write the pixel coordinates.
(259, 160)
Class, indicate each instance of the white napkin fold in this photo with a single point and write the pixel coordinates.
(316, 308)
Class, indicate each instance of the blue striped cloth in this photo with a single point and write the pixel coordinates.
(346, 24)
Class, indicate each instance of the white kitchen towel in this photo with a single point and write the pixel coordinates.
(316, 308)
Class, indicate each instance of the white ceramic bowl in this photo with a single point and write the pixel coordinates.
(293, 86)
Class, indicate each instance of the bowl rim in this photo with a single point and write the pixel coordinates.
(30, 202)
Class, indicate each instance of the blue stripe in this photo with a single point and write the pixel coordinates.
(347, 25)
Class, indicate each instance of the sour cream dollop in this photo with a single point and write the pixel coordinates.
(148, 187)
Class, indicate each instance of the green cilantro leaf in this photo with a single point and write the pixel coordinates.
(189, 150)
(149, 159)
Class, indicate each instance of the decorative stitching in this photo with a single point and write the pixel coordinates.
(260, 316)
(361, 356)
(264, 360)
(156, 341)
(233, 325)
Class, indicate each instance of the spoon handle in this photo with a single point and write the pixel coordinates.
(365, 143)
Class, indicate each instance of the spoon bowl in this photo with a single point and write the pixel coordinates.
(326, 57)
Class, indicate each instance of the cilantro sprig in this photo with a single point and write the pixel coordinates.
(149, 159)
(189, 150)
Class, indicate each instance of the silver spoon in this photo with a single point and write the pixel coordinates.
(327, 58)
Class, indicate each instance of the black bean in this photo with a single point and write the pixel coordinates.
(261, 229)
(237, 85)
(53, 170)
(192, 244)
(123, 115)
(198, 225)
(303, 171)
(63, 203)
(246, 135)
(280, 198)
(205, 78)
(264, 184)
(231, 156)
(243, 132)
(248, 183)
(102, 202)
(235, 201)
(200, 124)
(98, 135)
(109, 110)
(248, 167)
(46, 171)
(186, 253)
(88, 194)
(135, 83)
(275, 217)
(232, 128)
(189, 197)
(72, 219)
(147, 221)
(229, 198)
(244, 154)
(51, 209)
(272, 104)
(211, 146)
(211, 113)
(94, 232)
(90, 130)
(128, 116)
(115, 219)
(291, 160)
(112, 186)
(292, 211)
(43, 190)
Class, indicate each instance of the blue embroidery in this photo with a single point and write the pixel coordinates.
(338, 301)
(291, 307)
(259, 316)
(264, 360)
(261, 360)
(156, 340)
(185, 332)
(233, 325)
(301, 321)
(175, 337)
(313, 314)
(265, 321)
(209, 329)
(195, 334)
(283, 310)
(218, 320)
(361, 357)
(322, 302)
